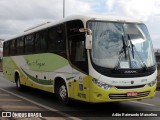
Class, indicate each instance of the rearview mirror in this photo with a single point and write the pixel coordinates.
(88, 32)
(88, 42)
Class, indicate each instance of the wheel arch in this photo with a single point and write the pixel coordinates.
(60, 78)
(16, 75)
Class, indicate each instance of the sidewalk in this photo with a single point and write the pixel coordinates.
(13, 106)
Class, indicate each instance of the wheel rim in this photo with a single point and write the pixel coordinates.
(63, 92)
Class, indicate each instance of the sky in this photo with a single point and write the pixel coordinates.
(18, 15)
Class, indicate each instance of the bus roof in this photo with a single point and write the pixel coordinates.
(84, 18)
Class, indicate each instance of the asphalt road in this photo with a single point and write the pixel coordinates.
(81, 110)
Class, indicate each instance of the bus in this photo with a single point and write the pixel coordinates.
(95, 59)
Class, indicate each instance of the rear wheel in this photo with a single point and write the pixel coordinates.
(61, 92)
(19, 86)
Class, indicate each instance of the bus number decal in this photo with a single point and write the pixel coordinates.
(82, 95)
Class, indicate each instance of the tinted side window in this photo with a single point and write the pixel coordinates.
(56, 40)
(41, 41)
(20, 46)
(13, 47)
(6, 48)
(29, 44)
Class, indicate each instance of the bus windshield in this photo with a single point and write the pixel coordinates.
(121, 45)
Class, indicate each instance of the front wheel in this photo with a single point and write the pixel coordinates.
(62, 93)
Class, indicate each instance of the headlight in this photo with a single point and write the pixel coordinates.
(152, 82)
(102, 84)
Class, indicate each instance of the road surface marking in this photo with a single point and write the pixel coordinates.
(9, 100)
(142, 103)
(4, 94)
(18, 107)
(43, 106)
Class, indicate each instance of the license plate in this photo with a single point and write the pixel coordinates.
(132, 94)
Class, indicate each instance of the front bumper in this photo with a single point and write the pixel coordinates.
(98, 94)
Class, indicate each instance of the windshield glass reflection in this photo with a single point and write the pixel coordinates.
(121, 45)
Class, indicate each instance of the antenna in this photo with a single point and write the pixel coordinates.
(63, 8)
(36, 26)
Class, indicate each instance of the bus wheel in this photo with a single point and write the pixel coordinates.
(61, 92)
(18, 83)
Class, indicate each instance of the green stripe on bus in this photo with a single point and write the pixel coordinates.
(40, 81)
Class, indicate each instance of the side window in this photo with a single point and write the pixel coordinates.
(60, 42)
(29, 44)
(20, 46)
(56, 40)
(13, 47)
(77, 49)
(51, 40)
(6, 48)
(41, 41)
(76, 40)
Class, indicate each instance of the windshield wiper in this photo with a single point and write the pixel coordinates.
(123, 50)
(131, 45)
(139, 56)
(124, 47)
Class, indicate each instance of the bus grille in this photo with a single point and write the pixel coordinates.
(124, 96)
(130, 87)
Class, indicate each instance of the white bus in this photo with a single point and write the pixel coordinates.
(87, 58)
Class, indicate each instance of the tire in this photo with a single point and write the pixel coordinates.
(62, 93)
(19, 86)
